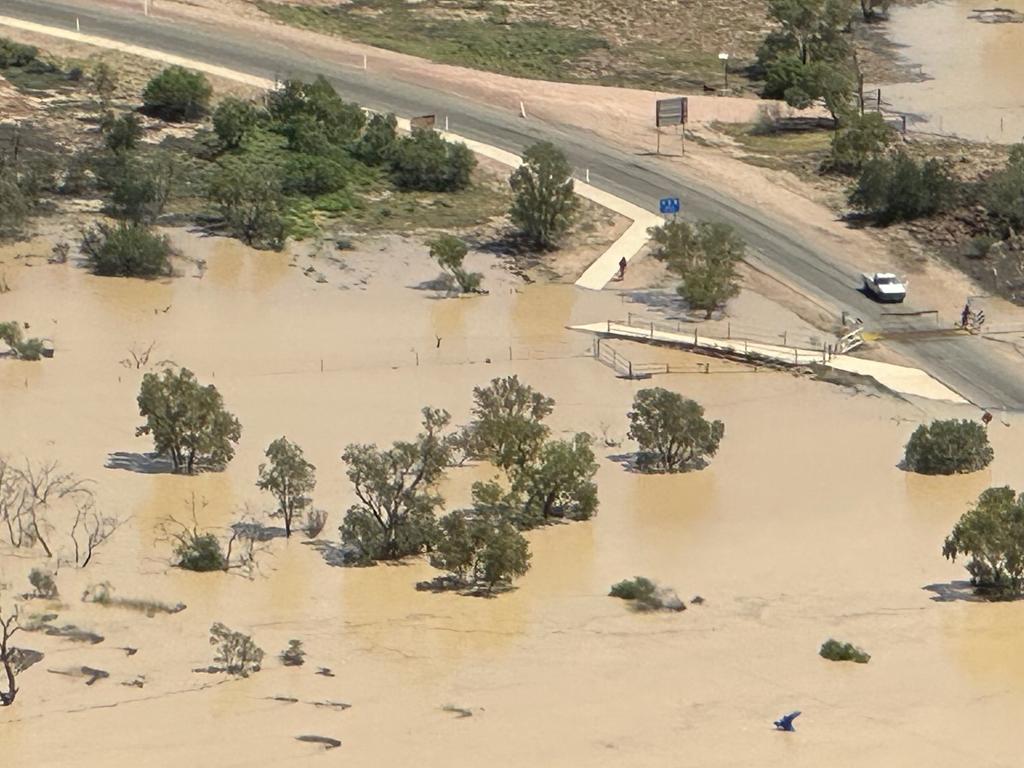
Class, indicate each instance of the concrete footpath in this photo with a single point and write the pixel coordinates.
(596, 277)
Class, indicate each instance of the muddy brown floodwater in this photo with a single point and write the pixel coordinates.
(802, 528)
(972, 69)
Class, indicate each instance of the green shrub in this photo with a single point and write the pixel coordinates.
(43, 583)
(1004, 192)
(232, 119)
(126, 250)
(311, 176)
(237, 654)
(426, 162)
(249, 197)
(313, 116)
(177, 95)
(900, 188)
(14, 54)
(862, 138)
(293, 655)
(24, 349)
(948, 447)
(377, 143)
(638, 588)
(646, 595)
(833, 650)
(201, 553)
(121, 134)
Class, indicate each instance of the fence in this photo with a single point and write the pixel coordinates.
(728, 330)
(627, 369)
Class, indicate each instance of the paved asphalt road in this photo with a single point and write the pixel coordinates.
(976, 369)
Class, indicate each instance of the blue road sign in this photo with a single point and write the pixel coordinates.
(670, 205)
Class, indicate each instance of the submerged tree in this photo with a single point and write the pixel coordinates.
(991, 534)
(559, 483)
(397, 494)
(290, 478)
(449, 252)
(480, 546)
(188, 421)
(507, 427)
(236, 653)
(671, 431)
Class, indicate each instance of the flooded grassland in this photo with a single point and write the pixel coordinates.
(802, 528)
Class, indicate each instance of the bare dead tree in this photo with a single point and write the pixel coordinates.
(8, 656)
(91, 529)
(138, 356)
(41, 504)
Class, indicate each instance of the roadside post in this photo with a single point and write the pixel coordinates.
(672, 112)
(724, 58)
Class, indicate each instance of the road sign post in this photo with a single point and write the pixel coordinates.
(671, 112)
(669, 206)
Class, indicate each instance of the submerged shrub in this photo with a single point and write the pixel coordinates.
(202, 553)
(43, 583)
(833, 650)
(236, 653)
(948, 447)
(647, 595)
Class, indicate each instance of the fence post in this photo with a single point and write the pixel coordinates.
(695, 337)
(785, 337)
(824, 352)
(728, 330)
(796, 357)
(510, 352)
(609, 328)
(631, 369)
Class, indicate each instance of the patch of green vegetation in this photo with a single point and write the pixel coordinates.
(524, 49)
(800, 150)
(484, 200)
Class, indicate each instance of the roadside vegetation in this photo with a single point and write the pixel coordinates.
(658, 44)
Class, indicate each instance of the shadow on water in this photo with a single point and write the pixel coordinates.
(953, 591)
(143, 463)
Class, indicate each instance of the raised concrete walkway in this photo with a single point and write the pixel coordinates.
(596, 277)
(898, 378)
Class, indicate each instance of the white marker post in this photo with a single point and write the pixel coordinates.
(78, 25)
(364, 62)
(522, 109)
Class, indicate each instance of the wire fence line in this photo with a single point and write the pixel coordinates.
(729, 330)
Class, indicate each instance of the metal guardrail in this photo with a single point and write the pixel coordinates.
(730, 331)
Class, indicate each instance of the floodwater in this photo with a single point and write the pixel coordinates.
(973, 70)
(802, 528)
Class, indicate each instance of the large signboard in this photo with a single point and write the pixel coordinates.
(672, 111)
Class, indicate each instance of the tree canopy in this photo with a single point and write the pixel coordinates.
(425, 162)
(507, 427)
(900, 188)
(396, 492)
(545, 203)
(705, 256)
(290, 478)
(187, 421)
(177, 95)
(671, 431)
(991, 534)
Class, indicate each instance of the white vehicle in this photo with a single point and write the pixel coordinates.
(883, 286)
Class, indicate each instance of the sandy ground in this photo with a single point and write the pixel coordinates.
(788, 547)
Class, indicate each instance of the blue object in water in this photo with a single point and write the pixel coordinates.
(785, 723)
